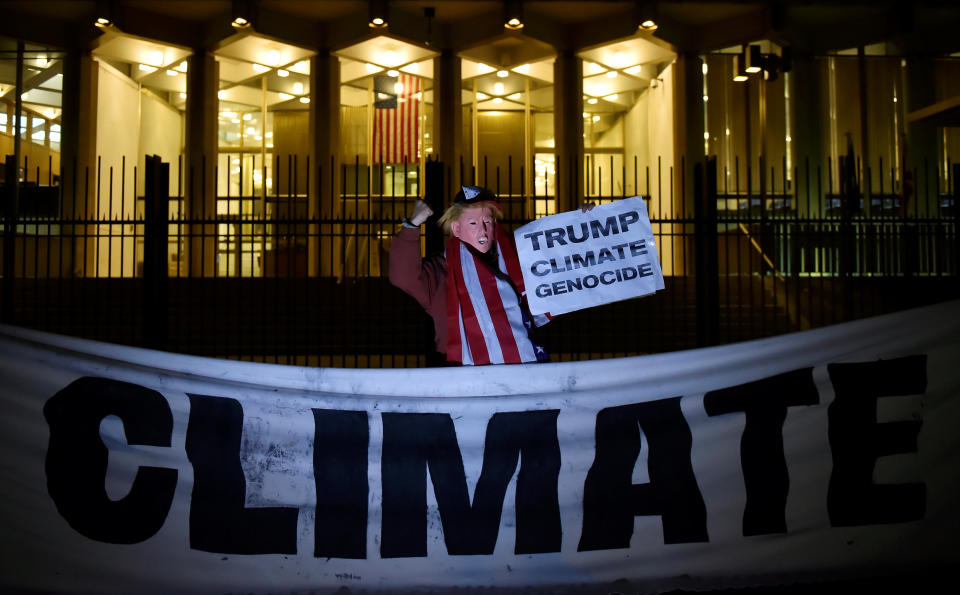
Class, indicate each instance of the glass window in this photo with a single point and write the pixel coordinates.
(510, 117)
(386, 113)
(625, 111)
(747, 126)
(41, 107)
(262, 166)
(38, 132)
(55, 136)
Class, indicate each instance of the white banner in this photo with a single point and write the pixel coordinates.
(827, 454)
(577, 260)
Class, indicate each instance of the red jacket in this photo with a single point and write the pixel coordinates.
(424, 279)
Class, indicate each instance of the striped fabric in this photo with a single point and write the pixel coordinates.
(396, 119)
(486, 323)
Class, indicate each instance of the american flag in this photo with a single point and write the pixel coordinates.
(396, 119)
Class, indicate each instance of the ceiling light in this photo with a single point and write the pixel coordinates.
(221, 94)
(515, 96)
(240, 13)
(619, 59)
(283, 73)
(611, 97)
(513, 14)
(298, 88)
(503, 74)
(304, 100)
(146, 68)
(611, 74)
(498, 89)
(285, 96)
(393, 73)
(260, 67)
(247, 116)
(273, 58)
(398, 88)
(482, 96)
(595, 118)
(389, 57)
(183, 95)
(647, 15)
(592, 101)
(497, 100)
(378, 14)
(106, 10)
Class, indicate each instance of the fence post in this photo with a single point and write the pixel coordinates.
(155, 229)
(955, 205)
(433, 196)
(706, 264)
(11, 191)
(846, 249)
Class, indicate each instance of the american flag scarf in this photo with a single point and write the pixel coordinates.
(486, 321)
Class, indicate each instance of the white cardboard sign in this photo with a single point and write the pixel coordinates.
(577, 260)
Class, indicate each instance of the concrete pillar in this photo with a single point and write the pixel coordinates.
(920, 148)
(324, 191)
(808, 116)
(78, 156)
(688, 116)
(568, 129)
(448, 118)
(203, 78)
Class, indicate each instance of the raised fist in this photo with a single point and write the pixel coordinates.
(421, 212)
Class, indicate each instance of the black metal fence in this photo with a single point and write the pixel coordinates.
(270, 272)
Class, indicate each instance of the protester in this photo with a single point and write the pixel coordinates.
(474, 291)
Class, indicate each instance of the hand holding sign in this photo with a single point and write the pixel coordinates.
(581, 259)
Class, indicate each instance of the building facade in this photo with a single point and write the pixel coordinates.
(297, 132)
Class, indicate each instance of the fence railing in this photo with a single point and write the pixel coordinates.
(288, 278)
